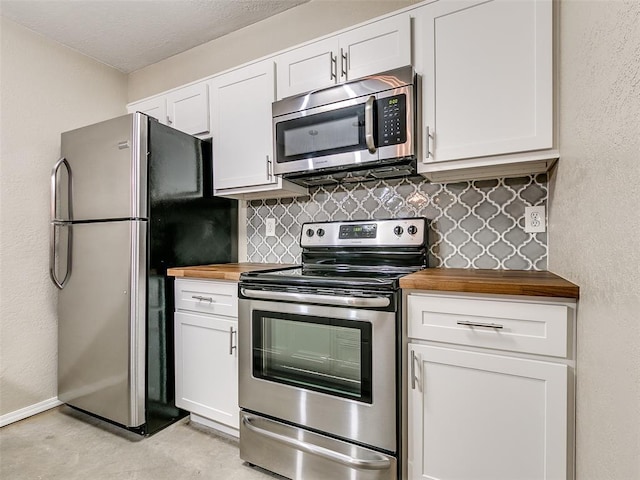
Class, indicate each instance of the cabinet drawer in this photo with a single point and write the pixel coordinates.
(505, 325)
(207, 296)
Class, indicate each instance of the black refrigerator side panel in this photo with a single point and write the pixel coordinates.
(187, 226)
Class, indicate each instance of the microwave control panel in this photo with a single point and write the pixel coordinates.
(392, 120)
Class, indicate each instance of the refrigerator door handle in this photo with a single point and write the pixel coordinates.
(52, 254)
(54, 190)
(54, 224)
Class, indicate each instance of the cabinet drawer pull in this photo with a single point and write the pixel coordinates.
(428, 138)
(474, 324)
(202, 299)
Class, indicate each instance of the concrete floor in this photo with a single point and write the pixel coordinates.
(63, 444)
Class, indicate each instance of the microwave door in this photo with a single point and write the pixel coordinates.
(335, 135)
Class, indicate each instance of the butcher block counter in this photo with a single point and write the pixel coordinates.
(500, 282)
(224, 271)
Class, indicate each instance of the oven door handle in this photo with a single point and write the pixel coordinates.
(315, 298)
(382, 463)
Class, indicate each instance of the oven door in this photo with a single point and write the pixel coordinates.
(325, 368)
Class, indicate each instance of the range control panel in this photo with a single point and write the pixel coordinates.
(409, 232)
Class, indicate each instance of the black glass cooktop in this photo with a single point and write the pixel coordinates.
(329, 277)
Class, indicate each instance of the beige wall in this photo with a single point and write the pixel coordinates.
(45, 89)
(294, 26)
(594, 226)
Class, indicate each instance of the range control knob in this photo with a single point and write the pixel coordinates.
(398, 230)
(309, 232)
(412, 229)
(320, 232)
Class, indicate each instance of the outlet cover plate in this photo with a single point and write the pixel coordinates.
(270, 227)
(535, 219)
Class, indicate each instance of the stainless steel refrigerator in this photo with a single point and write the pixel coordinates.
(130, 197)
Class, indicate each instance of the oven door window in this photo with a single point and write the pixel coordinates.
(331, 356)
(327, 133)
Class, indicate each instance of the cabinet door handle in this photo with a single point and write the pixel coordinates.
(343, 62)
(232, 347)
(427, 141)
(269, 169)
(334, 67)
(200, 298)
(478, 324)
(413, 370)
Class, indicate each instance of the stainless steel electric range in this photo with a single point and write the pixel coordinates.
(320, 349)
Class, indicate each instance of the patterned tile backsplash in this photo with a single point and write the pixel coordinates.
(477, 224)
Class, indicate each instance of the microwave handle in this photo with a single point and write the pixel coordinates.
(368, 124)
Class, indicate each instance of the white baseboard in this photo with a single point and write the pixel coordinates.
(26, 412)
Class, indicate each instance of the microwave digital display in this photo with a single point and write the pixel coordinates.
(363, 230)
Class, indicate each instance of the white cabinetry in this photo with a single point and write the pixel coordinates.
(185, 109)
(242, 134)
(155, 107)
(206, 326)
(366, 50)
(490, 388)
(487, 79)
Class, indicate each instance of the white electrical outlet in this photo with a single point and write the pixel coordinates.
(270, 227)
(535, 219)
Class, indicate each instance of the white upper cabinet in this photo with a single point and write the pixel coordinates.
(366, 50)
(487, 80)
(307, 68)
(155, 107)
(188, 109)
(242, 134)
(374, 48)
(185, 109)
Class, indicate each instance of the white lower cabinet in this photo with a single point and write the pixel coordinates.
(478, 413)
(206, 355)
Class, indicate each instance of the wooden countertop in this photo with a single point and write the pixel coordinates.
(223, 271)
(501, 282)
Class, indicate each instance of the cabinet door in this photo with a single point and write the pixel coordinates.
(479, 416)
(154, 107)
(375, 48)
(242, 126)
(487, 76)
(307, 68)
(188, 109)
(207, 366)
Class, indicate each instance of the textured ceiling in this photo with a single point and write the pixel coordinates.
(131, 34)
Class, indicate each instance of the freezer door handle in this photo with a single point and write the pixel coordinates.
(54, 225)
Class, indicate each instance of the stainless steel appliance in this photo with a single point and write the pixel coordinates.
(130, 197)
(350, 132)
(319, 352)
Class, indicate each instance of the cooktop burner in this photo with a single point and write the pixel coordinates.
(362, 254)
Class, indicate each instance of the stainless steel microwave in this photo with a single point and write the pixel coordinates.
(367, 125)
